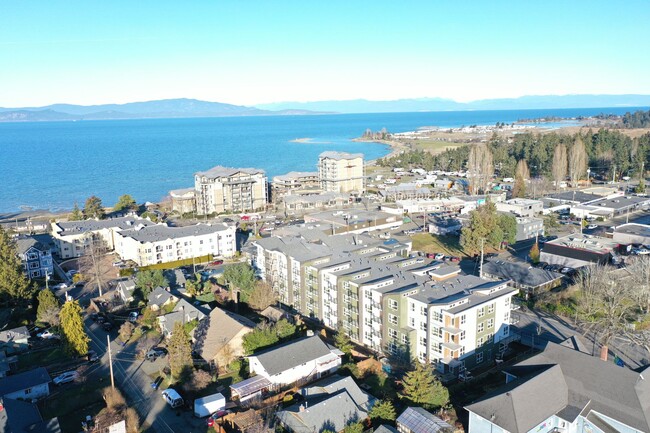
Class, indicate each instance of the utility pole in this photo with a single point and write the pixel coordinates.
(110, 360)
(47, 278)
(480, 272)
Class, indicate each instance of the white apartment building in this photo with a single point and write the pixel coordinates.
(223, 189)
(341, 172)
(161, 244)
(72, 237)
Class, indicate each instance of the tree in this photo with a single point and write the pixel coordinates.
(146, 281)
(14, 285)
(125, 202)
(522, 169)
(560, 164)
(261, 296)
(94, 208)
(383, 412)
(638, 268)
(262, 336)
(353, 427)
(194, 287)
(550, 222)
(519, 188)
(48, 307)
(72, 329)
(508, 225)
(180, 353)
(640, 188)
(284, 329)
(480, 168)
(76, 214)
(342, 341)
(422, 388)
(116, 410)
(240, 277)
(97, 271)
(126, 331)
(484, 226)
(577, 161)
(198, 381)
(534, 253)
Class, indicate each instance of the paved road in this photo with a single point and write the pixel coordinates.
(132, 377)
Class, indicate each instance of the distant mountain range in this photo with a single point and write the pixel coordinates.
(439, 104)
(183, 108)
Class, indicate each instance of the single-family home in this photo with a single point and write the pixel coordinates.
(160, 297)
(125, 288)
(29, 385)
(418, 420)
(565, 390)
(35, 256)
(183, 312)
(218, 338)
(19, 416)
(522, 276)
(296, 361)
(14, 340)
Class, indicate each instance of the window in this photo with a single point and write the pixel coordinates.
(463, 319)
(506, 330)
(490, 308)
(507, 302)
(490, 323)
(412, 322)
(462, 335)
(506, 316)
(405, 339)
(479, 357)
(28, 391)
(423, 341)
(481, 312)
(461, 351)
(480, 327)
(33, 265)
(32, 256)
(392, 319)
(392, 333)
(392, 303)
(479, 342)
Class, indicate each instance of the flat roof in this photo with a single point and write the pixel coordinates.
(583, 241)
(634, 229)
(221, 171)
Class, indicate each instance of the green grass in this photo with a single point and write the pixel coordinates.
(436, 146)
(39, 358)
(206, 297)
(429, 243)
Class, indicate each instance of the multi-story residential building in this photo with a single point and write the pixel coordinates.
(161, 244)
(341, 172)
(301, 204)
(183, 200)
(522, 207)
(388, 301)
(223, 189)
(35, 256)
(295, 182)
(71, 238)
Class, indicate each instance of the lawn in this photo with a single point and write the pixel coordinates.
(42, 358)
(449, 245)
(436, 146)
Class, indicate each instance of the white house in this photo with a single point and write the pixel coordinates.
(298, 360)
(32, 384)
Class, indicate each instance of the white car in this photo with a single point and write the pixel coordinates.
(65, 377)
(641, 251)
(45, 335)
(592, 226)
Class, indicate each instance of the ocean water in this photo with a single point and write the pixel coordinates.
(50, 165)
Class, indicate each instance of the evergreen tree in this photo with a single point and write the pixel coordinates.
(76, 214)
(72, 329)
(383, 412)
(48, 306)
(354, 427)
(240, 276)
(483, 227)
(422, 388)
(640, 188)
(125, 202)
(180, 353)
(14, 285)
(534, 253)
(508, 225)
(284, 329)
(146, 281)
(343, 342)
(94, 208)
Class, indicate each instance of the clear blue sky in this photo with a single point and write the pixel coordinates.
(247, 52)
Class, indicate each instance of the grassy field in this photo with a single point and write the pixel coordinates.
(43, 357)
(429, 243)
(436, 146)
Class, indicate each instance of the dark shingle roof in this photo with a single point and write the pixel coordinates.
(521, 274)
(20, 333)
(20, 381)
(292, 354)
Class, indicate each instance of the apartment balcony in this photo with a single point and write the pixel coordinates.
(451, 330)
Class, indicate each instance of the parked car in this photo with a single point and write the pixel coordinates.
(212, 419)
(46, 335)
(133, 316)
(107, 326)
(91, 356)
(156, 383)
(217, 262)
(154, 353)
(66, 377)
(592, 226)
(454, 259)
(439, 256)
(172, 398)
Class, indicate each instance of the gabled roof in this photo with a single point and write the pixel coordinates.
(215, 332)
(564, 382)
(418, 420)
(20, 333)
(159, 296)
(292, 354)
(20, 381)
(23, 244)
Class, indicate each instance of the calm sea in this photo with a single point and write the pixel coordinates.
(50, 165)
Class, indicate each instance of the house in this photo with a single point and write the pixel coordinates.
(125, 288)
(529, 280)
(296, 361)
(160, 297)
(19, 416)
(218, 338)
(522, 207)
(30, 385)
(223, 189)
(577, 250)
(275, 314)
(14, 340)
(385, 429)
(330, 404)
(444, 226)
(183, 312)
(418, 420)
(35, 256)
(562, 389)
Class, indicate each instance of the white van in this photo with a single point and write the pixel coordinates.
(172, 398)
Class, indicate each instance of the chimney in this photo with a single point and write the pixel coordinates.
(603, 353)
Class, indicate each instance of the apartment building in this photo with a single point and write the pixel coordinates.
(388, 301)
(223, 189)
(183, 200)
(295, 182)
(71, 238)
(161, 244)
(341, 172)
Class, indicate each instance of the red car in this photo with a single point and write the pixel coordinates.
(212, 419)
(217, 262)
(454, 259)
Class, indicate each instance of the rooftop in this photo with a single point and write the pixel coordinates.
(581, 241)
(315, 198)
(20, 381)
(24, 243)
(292, 354)
(294, 175)
(418, 420)
(634, 229)
(340, 155)
(122, 223)
(14, 334)
(573, 196)
(215, 332)
(520, 273)
(220, 171)
(161, 232)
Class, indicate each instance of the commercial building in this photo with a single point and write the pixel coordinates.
(627, 234)
(161, 244)
(529, 228)
(578, 250)
(183, 200)
(405, 191)
(35, 256)
(341, 172)
(521, 207)
(354, 221)
(564, 390)
(71, 238)
(223, 189)
(609, 207)
(401, 207)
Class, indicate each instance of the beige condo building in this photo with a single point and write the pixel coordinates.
(341, 172)
(224, 189)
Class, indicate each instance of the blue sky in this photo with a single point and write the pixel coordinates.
(248, 52)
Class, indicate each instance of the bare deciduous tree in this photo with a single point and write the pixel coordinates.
(560, 163)
(262, 296)
(577, 161)
(639, 270)
(522, 169)
(480, 168)
(94, 266)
